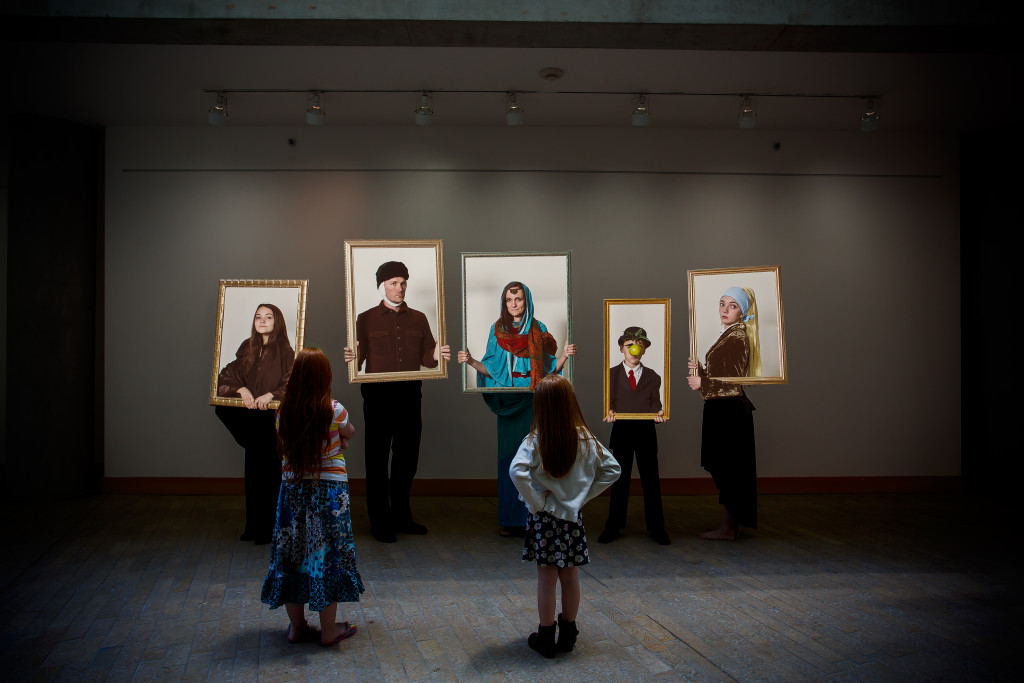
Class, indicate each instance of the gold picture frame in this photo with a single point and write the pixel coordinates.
(424, 262)
(236, 302)
(654, 316)
(705, 290)
(548, 276)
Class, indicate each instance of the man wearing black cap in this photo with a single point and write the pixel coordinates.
(391, 337)
(634, 388)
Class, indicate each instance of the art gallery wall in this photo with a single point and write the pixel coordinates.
(864, 227)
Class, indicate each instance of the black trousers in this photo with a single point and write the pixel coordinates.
(727, 453)
(636, 438)
(254, 431)
(391, 416)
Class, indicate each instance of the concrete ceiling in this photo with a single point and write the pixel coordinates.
(803, 78)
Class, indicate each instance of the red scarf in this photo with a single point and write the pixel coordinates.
(535, 345)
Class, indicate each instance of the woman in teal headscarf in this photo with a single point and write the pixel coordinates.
(520, 351)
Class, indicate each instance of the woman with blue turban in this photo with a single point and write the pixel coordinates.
(520, 351)
(727, 430)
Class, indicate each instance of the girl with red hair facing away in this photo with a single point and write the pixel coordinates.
(559, 467)
(313, 556)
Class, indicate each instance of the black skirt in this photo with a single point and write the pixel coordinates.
(555, 542)
(727, 453)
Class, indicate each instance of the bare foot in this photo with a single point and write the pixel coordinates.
(720, 534)
(304, 634)
(333, 636)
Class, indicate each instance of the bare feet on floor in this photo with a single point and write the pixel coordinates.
(333, 636)
(720, 534)
(305, 634)
(727, 530)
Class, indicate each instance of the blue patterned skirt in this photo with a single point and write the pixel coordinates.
(555, 542)
(313, 555)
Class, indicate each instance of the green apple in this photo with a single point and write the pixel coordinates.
(636, 350)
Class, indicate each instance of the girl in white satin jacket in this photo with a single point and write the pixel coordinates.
(559, 467)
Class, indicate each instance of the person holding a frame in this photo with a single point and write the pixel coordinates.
(394, 343)
(634, 388)
(727, 429)
(520, 352)
(246, 389)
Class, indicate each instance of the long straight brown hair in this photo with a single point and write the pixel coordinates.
(305, 414)
(557, 421)
(277, 340)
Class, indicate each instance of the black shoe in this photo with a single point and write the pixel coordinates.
(263, 540)
(383, 535)
(661, 537)
(512, 531)
(609, 534)
(246, 536)
(412, 527)
(567, 633)
(543, 641)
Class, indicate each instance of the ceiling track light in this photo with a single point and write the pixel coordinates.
(869, 121)
(514, 114)
(217, 115)
(425, 112)
(316, 108)
(747, 113)
(641, 111)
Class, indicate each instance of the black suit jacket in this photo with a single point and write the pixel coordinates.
(622, 398)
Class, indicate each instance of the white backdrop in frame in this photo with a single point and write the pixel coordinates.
(484, 276)
(421, 295)
(708, 287)
(236, 308)
(651, 317)
(240, 305)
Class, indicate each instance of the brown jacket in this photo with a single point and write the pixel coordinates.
(393, 340)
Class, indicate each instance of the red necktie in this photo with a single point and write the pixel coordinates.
(632, 380)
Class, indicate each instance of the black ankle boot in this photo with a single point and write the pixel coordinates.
(543, 641)
(567, 633)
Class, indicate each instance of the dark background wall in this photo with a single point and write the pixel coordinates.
(865, 227)
(54, 327)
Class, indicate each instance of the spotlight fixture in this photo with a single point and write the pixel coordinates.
(514, 114)
(217, 115)
(747, 113)
(641, 112)
(316, 110)
(869, 122)
(551, 73)
(425, 112)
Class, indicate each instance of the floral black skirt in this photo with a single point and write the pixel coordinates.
(313, 556)
(555, 542)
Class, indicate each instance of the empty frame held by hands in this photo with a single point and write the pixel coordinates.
(260, 328)
(395, 304)
(516, 318)
(637, 332)
(756, 293)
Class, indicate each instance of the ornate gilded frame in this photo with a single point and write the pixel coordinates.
(484, 276)
(705, 289)
(655, 316)
(234, 309)
(425, 261)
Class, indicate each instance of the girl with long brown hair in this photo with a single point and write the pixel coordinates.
(257, 376)
(559, 467)
(313, 557)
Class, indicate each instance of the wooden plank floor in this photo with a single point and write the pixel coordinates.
(839, 587)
